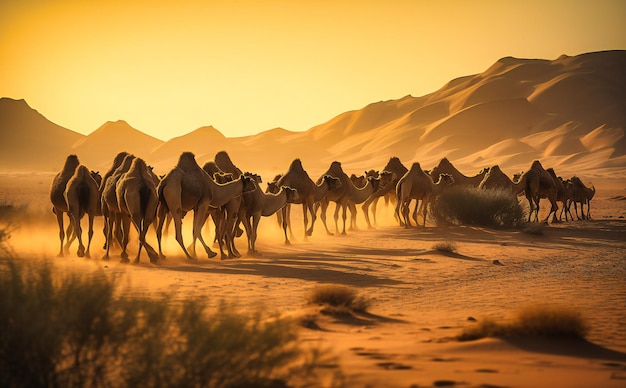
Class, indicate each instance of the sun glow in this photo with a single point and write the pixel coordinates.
(249, 66)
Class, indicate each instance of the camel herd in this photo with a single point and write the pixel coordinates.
(131, 193)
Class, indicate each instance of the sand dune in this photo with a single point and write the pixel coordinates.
(564, 111)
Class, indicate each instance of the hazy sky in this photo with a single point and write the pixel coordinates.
(169, 67)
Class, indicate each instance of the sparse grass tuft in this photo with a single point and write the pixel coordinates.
(471, 206)
(338, 297)
(534, 228)
(533, 321)
(445, 246)
(76, 330)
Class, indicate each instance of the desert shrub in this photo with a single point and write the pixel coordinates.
(534, 228)
(445, 246)
(71, 330)
(471, 206)
(532, 321)
(338, 296)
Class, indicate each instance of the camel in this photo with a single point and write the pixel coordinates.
(583, 195)
(297, 178)
(117, 161)
(537, 183)
(496, 179)
(562, 195)
(224, 163)
(188, 187)
(114, 218)
(392, 172)
(445, 167)
(343, 194)
(137, 199)
(82, 196)
(321, 189)
(417, 184)
(256, 204)
(367, 187)
(59, 204)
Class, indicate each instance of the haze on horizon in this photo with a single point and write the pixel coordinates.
(246, 66)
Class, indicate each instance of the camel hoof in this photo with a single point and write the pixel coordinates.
(60, 254)
(287, 242)
(210, 254)
(124, 261)
(192, 259)
(105, 258)
(136, 261)
(330, 234)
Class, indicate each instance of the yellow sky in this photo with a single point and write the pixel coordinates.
(247, 66)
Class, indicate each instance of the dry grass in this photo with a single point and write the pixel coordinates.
(532, 321)
(471, 206)
(445, 246)
(338, 297)
(534, 228)
(76, 330)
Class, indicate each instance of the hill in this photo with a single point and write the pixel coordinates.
(29, 141)
(569, 112)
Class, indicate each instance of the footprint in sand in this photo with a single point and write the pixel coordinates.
(393, 366)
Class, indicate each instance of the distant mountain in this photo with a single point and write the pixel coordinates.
(204, 142)
(111, 138)
(569, 112)
(28, 141)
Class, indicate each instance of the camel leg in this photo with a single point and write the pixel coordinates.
(109, 236)
(284, 213)
(397, 213)
(310, 206)
(124, 221)
(59, 215)
(78, 230)
(323, 207)
(255, 225)
(353, 225)
(198, 221)
(89, 234)
(178, 226)
(161, 216)
(405, 213)
(424, 208)
(70, 235)
(365, 208)
(416, 211)
(336, 217)
(344, 208)
(230, 231)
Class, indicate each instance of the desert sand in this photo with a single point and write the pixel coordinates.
(421, 298)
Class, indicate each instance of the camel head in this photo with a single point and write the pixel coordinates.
(292, 194)
(272, 187)
(517, 176)
(332, 182)
(96, 177)
(375, 182)
(223, 177)
(257, 178)
(445, 180)
(249, 184)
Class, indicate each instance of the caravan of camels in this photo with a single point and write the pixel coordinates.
(131, 193)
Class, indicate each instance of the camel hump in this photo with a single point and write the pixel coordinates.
(223, 161)
(187, 161)
(335, 169)
(536, 165)
(416, 167)
(71, 162)
(296, 165)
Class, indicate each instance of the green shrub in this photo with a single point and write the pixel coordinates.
(471, 206)
(338, 296)
(71, 330)
(532, 321)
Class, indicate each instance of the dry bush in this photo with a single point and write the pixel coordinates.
(76, 330)
(471, 206)
(445, 246)
(534, 228)
(532, 321)
(338, 297)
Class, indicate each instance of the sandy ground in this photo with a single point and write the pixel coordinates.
(421, 298)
